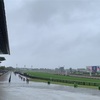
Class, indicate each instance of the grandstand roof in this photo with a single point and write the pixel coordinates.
(4, 43)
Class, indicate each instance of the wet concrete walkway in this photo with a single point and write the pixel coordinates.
(18, 89)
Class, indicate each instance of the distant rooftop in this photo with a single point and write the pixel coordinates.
(4, 43)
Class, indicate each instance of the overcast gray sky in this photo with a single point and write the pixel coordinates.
(53, 33)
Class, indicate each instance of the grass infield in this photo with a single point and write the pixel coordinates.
(62, 77)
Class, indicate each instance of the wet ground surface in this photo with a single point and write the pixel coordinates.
(18, 89)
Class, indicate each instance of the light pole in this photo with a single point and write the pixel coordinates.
(31, 67)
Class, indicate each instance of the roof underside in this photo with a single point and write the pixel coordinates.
(4, 44)
(2, 59)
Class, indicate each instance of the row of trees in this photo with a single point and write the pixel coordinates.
(6, 68)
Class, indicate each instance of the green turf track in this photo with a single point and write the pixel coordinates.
(62, 77)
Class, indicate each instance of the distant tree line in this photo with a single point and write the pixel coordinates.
(6, 68)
